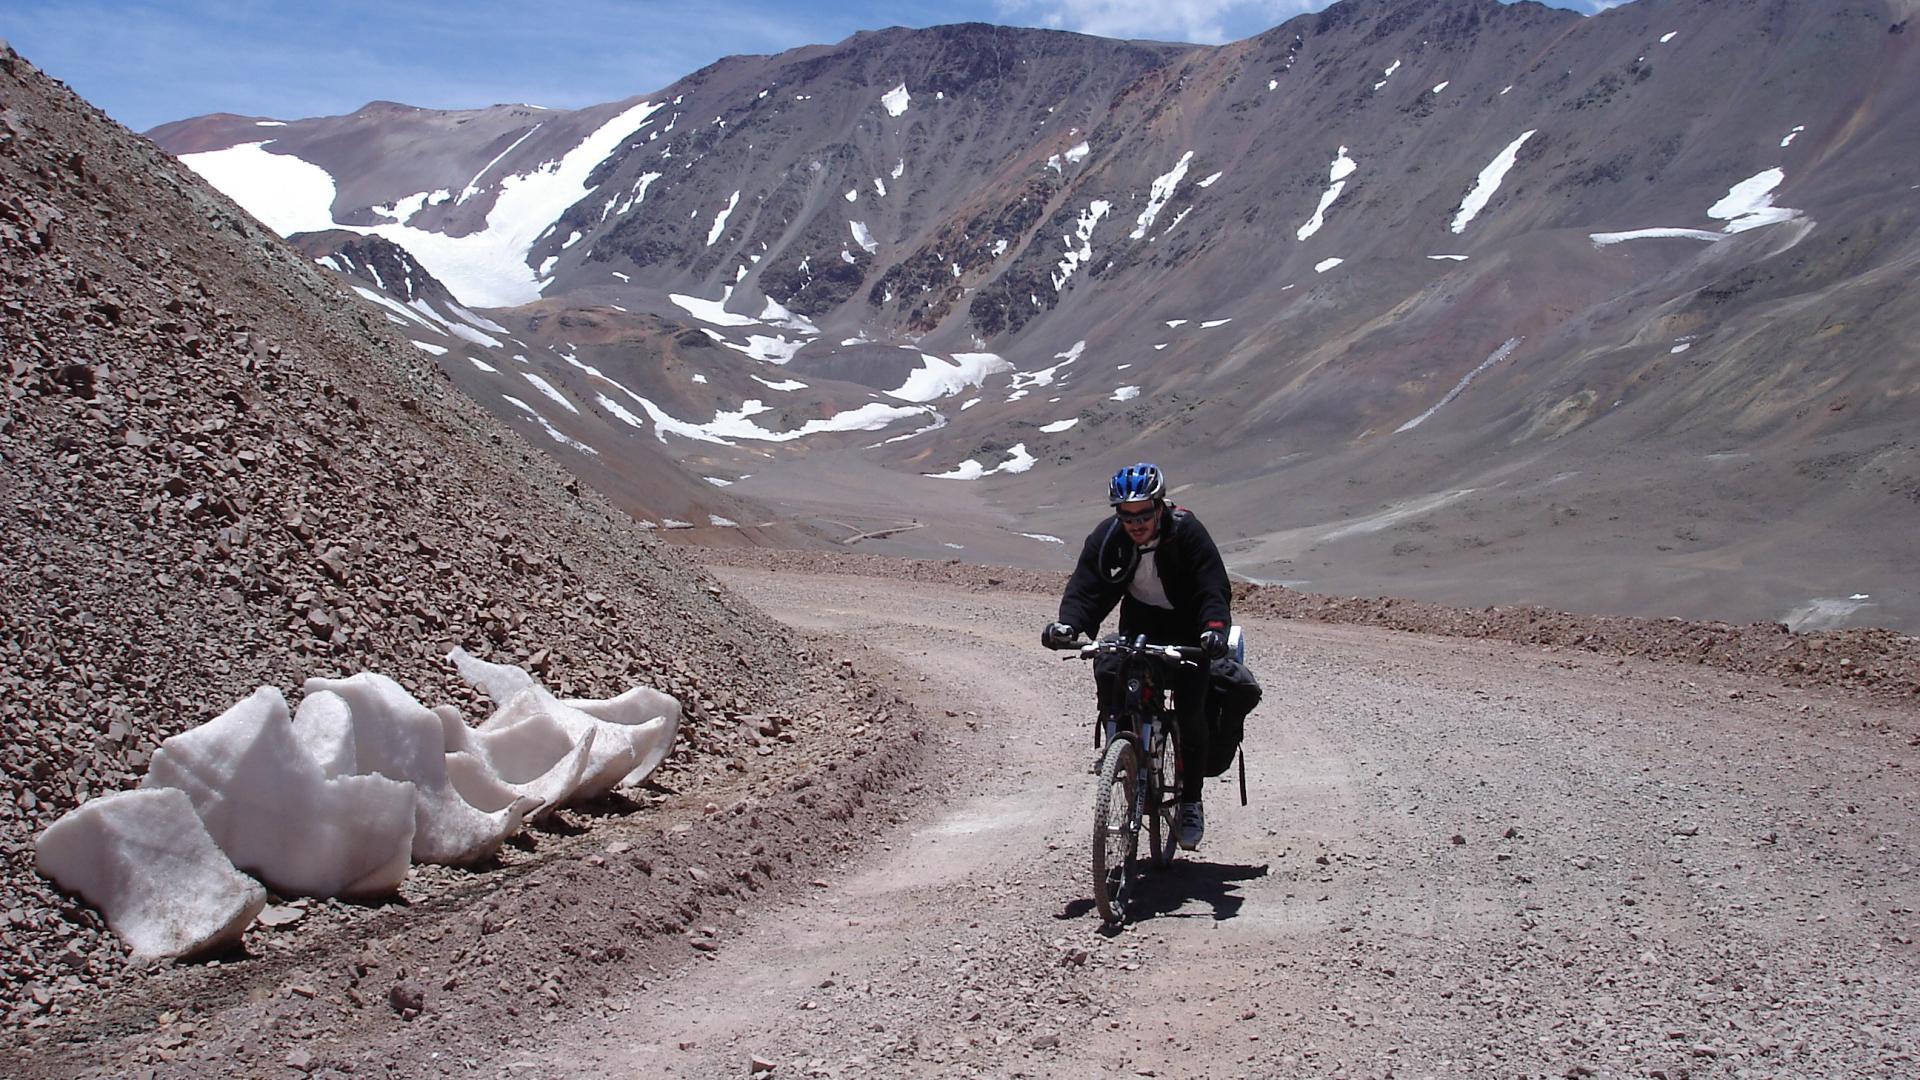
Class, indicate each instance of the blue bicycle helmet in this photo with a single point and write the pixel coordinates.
(1136, 483)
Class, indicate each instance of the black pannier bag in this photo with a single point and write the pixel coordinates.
(1231, 695)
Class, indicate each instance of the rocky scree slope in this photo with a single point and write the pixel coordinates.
(218, 470)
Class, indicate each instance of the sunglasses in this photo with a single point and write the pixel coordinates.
(1136, 517)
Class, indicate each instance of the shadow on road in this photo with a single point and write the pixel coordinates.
(1165, 893)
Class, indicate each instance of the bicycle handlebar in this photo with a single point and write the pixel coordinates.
(1187, 654)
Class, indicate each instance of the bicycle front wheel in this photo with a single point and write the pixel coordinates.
(1163, 811)
(1116, 830)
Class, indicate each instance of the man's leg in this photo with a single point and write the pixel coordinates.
(1189, 704)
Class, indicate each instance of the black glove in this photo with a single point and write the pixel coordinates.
(1213, 643)
(1058, 635)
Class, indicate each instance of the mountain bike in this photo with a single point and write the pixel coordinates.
(1139, 769)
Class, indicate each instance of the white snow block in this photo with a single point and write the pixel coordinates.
(645, 719)
(266, 803)
(535, 759)
(498, 681)
(324, 725)
(146, 862)
(631, 734)
(388, 732)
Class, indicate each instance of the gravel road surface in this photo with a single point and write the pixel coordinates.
(1459, 858)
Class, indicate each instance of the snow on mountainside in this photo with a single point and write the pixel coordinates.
(1472, 301)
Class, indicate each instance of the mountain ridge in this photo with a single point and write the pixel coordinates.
(1290, 265)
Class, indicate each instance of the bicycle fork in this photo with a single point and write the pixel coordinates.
(1147, 792)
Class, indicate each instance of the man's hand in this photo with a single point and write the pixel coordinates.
(1213, 643)
(1058, 635)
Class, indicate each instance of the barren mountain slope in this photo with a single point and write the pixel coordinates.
(221, 470)
(1470, 301)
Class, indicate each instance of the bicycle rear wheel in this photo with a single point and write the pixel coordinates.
(1116, 832)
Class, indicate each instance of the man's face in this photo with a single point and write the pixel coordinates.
(1140, 519)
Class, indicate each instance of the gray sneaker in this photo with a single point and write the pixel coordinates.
(1193, 825)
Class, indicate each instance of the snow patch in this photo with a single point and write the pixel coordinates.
(1749, 203)
(1163, 189)
(1608, 239)
(1083, 231)
(939, 378)
(1018, 461)
(1343, 167)
(485, 268)
(710, 311)
(720, 219)
(1488, 182)
(784, 385)
(1499, 354)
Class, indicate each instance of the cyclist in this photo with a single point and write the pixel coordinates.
(1158, 564)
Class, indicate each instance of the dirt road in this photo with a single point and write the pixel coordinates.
(1460, 858)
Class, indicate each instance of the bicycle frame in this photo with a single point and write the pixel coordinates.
(1146, 717)
(1145, 720)
(1134, 741)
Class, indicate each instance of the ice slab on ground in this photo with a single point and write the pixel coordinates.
(340, 799)
(644, 717)
(628, 736)
(268, 806)
(533, 758)
(144, 859)
(386, 731)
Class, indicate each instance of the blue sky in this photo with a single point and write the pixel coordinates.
(150, 61)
